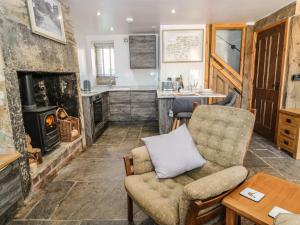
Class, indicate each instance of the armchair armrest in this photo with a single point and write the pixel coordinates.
(215, 184)
(141, 160)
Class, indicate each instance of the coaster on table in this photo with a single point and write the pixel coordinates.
(276, 211)
(252, 194)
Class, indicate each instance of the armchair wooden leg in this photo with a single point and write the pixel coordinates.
(174, 123)
(178, 123)
(129, 209)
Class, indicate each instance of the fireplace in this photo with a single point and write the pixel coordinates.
(41, 125)
(40, 122)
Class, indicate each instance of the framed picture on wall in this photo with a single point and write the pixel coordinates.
(182, 46)
(46, 19)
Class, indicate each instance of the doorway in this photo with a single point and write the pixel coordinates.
(268, 71)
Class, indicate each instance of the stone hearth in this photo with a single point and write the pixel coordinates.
(53, 162)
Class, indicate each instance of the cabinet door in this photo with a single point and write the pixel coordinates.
(144, 111)
(119, 112)
(119, 106)
(143, 96)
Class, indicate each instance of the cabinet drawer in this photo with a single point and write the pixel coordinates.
(287, 119)
(119, 97)
(287, 143)
(288, 131)
(143, 96)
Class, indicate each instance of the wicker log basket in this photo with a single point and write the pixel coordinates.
(69, 126)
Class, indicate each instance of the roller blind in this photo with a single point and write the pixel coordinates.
(105, 59)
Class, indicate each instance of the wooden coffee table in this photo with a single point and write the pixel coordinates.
(278, 192)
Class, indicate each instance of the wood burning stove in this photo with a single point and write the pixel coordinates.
(39, 122)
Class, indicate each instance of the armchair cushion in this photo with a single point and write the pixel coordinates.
(287, 219)
(215, 184)
(159, 198)
(222, 133)
(141, 160)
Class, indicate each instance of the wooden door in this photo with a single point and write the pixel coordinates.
(267, 76)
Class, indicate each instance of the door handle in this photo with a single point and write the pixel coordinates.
(276, 86)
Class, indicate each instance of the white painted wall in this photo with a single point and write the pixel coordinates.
(190, 71)
(126, 76)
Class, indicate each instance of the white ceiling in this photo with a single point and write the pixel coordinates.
(148, 13)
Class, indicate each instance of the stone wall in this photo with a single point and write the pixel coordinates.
(21, 50)
(292, 99)
(277, 16)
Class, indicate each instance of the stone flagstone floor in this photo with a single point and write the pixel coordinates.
(89, 191)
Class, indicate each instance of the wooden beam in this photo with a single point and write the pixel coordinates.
(248, 67)
(207, 55)
(297, 7)
(293, 88)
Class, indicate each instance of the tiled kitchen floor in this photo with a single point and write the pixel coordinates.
(89, 191)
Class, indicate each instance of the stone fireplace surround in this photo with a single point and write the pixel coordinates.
(21, 50)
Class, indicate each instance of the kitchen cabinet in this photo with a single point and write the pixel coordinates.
(119, 106)
(93, 126)
(143, 105)
(105, 106)
(142, 49)
(127, 106)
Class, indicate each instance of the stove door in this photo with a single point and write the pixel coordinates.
(50, 123)
(98, 115)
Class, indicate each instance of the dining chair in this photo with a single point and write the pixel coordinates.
(183, 110)
(229, 100)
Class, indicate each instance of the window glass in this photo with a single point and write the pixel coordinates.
(105, 59)
(228, 47)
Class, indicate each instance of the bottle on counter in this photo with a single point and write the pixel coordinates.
(180, 83)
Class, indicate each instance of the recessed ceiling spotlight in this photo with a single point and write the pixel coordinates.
(98, 13)
(173, 11)
(111, 29)
(129, 19)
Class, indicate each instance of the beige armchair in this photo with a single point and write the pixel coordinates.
(287, 219)
(222, 135)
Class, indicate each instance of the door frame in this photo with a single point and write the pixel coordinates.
(286, 22)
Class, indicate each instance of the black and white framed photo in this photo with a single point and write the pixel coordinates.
(46, 19)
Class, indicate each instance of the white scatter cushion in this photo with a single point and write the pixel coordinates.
(174, 153)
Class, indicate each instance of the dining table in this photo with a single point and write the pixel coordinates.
(165, 104)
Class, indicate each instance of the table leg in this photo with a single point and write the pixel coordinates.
(231, 217)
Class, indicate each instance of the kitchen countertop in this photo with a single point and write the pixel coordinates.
(6, 159)
(172, 94)
(103, 89)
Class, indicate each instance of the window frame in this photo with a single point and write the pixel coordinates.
(97, 45)
(238, 26)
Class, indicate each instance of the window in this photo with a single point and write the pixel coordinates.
(105, 59)
(228, 47)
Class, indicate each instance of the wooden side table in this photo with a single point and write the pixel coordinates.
(278, 192)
